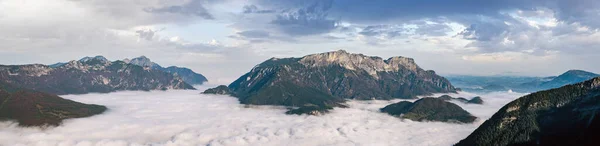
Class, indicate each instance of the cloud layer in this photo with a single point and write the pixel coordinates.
(486, 37)
(189, 118)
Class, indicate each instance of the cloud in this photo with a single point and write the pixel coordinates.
(254, 34)
(147, 34)
(254, 9)
(189, 118)
(308, 20)
(192, 8)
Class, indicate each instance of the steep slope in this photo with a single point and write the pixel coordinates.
(429, 109)
(33, 108)
(90, 74)
(326, 79)
(564, 116)
(186, 74)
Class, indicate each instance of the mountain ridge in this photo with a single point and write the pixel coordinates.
(89, 74)
(328, 79)
(568, 115)
(186, 74)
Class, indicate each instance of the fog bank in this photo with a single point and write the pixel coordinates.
(189, 118)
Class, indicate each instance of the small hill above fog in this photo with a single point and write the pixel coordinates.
(429, 109)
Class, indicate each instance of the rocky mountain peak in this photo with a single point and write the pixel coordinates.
(406, 62)
(96, 58)
(143, 61)
(370, 64)
(595, 83)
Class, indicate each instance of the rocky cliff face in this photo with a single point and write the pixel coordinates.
(95, 74)
(569, 115)
(326, 79)
(34, 108)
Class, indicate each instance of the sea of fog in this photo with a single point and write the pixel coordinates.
(183, 117)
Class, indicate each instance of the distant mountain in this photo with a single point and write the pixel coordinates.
(186, 74)
(569, 115)
(569, 77)
(474, 100)
(518, 84)
(34, 108)
(325, 80)
(482, 84)
(90, 74)
(429, 109)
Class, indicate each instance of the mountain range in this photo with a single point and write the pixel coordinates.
(89, 74)
(186, 74)
(569, 115)
(517, 83)
(326, 80)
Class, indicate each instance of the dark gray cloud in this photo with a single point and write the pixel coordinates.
(192, 8)
(312, 19)
(585, 12)
(389, 31)
(388, 12)
(383, 10)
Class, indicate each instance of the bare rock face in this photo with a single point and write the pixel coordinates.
(89, 75)
(354, 62)
(569, 115)
(327, 79)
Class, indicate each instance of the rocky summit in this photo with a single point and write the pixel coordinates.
(34, 108)
(429, 109)
(328, 79)
(186, 74)
(90, 74)
(569, 115)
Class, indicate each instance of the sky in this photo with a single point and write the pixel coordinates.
(184, 117)
(223, 39)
